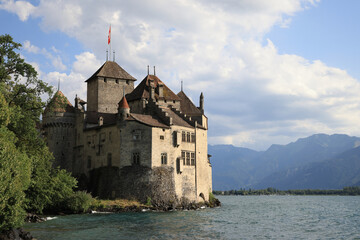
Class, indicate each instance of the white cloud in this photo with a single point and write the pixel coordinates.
(254, 96)
(74, 83)
(22, 8)
(56, 61)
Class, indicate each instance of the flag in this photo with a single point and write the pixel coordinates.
(109, 36)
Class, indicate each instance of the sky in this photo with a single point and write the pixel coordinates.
(271, 71)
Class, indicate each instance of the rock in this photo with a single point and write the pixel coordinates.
(33, 218)
(15, 234)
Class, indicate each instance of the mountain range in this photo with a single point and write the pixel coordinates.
(317, 162)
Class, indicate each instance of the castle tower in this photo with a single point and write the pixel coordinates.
(106, 87)
(58, 125)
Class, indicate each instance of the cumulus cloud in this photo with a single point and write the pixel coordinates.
(254, 96)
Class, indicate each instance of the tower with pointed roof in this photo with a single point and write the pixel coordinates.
(133, 142)
(59, 129)
(106, 86)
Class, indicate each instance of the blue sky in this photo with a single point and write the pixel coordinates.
(271, 71)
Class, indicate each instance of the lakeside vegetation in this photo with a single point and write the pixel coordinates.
(28, 183)
(346, 191)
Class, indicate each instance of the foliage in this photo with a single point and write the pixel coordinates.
(148, 201)
(79, 202)
(14, 179)
(346, 191)
(27, 180)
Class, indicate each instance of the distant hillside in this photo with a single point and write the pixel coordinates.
(235, 168)
(336, 173)
(232, 166)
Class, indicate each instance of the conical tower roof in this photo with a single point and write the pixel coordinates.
(123, 104)
(59, 103)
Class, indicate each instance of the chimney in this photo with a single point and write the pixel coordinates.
(151, 89)
(201, 107)
(161, 89)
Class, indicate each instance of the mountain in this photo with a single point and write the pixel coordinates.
(232, 166)
(336, 173)
(235, 168)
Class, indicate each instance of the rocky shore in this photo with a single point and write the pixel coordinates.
(108, 206)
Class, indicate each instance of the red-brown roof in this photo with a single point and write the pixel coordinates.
(187, 106)
(142, 90)
(123, 103)
(147, 120)
(59, 103)
(112, 70)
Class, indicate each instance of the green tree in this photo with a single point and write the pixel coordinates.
(27, 180)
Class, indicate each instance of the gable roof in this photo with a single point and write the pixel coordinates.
(59, 103)
(142, 90)
(112, 70)
(187, 106)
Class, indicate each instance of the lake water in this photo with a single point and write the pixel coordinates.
(240, 217)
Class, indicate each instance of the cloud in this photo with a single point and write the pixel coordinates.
(22, 8)
(74, 83)
(254, 96)
(56, 61)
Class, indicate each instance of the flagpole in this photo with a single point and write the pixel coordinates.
(110, 42)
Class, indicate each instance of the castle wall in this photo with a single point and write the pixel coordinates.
(104, 94)
(59, 132)
(92, 95)
(203, 166)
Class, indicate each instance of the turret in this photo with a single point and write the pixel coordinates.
(123, 109)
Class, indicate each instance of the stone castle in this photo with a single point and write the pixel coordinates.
(125, 142)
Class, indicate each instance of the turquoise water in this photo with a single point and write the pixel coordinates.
(240, 217)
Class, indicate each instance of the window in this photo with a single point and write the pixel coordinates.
(193, 137)
(183, 157)
(192, 159)
(188, 158)
(89, 162)
(136, 158)
(102, 137)
(162, 137)
(183, 137)
(136, 135)
(109, 159)
(188, 137)
(105, 80)
(117, 81)
(164, 158)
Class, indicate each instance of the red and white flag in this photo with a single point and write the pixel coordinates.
(109, 36)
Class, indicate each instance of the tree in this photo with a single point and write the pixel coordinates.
(27, 180)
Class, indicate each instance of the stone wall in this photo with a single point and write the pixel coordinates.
(134, 182)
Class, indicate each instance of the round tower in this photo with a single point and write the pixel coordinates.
(59, 128)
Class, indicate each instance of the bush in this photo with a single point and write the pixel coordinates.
(79, 202)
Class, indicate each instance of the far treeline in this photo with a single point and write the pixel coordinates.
(346, 191)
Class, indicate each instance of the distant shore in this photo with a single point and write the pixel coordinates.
(346, 191)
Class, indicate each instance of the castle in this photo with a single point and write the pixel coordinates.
(125, 142)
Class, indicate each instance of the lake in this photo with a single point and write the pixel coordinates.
(240, 217)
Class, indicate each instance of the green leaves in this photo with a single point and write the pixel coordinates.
(27, 180)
